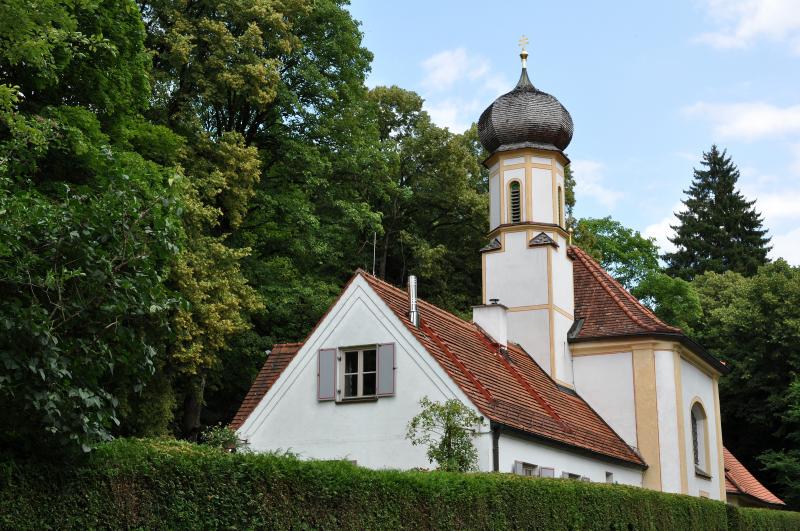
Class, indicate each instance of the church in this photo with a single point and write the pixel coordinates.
(573, 376)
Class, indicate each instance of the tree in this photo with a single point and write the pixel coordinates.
(754, 326)
(90, 226)
(447, 429)
(720, 230)
(673, 300)
(623, 252)
(569, 197)
(434, 212)
(784, 464)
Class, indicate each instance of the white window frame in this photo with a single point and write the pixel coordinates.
(360, 373)
(547, 472)
(698, 424)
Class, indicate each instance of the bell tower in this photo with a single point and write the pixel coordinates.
(525, 265)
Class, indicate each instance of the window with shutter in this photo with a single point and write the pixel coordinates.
(545, 472)
(326, 374)
(515, 202)
(386, 369)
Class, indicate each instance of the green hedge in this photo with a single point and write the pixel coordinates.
(169, 484)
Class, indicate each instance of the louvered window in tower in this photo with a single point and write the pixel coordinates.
(515, 204)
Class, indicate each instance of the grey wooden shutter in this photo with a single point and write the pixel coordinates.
(386, 369)
(326, 374)
(518, 468)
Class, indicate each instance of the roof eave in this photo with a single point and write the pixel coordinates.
(684, 340)
(561, 444)
(764, 503)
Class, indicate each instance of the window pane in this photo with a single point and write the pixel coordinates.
(351, 385)
(369, 361)
(350, 362)
(369, 384)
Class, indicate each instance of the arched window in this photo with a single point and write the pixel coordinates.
(515, 205)
(560, 207)
(699, 438)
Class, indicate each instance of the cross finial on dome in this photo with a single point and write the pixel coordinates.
(523, 42)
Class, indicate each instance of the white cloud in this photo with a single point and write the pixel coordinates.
(452, 113)
(457, 85)
(787, 246)
(589, 177)
(748, 120)
(743, 22)
(662, 230)
(445, 68)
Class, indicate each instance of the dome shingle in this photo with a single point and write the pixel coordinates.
(525, 117)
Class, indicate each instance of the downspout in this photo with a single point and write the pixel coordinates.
(495, 449)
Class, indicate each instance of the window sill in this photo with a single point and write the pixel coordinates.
(356, 400)
(701, 473)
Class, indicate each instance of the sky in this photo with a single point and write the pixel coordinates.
(650, 86)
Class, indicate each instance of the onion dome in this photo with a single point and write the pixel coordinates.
(525, 117)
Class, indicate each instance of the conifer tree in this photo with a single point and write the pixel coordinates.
(720, 230)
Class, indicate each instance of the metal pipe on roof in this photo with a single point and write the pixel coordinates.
(413, 312)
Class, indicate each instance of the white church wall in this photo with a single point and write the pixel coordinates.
(564, 369)
(373, 432)
(513, 448)
(494, 201)
(669, 440)
(542, 195)
(517, 275)
(531, 329)
(698, 385)
(563, 285)
(605, 381)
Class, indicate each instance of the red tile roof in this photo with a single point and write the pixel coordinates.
(739, 480)
(604, 309)
(276, 361)
(506, 385)
(607, 308)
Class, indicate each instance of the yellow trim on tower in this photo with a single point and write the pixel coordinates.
(646, 406)
(528, 193)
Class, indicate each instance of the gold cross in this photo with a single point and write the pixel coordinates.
(523, 41)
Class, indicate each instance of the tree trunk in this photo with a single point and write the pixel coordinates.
(192, 407)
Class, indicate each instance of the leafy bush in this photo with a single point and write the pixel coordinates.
(447, 429)
(169, 484)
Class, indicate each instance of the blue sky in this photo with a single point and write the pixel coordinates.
(650, 86)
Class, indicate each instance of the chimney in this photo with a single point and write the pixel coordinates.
(413, 312)
(492, 318)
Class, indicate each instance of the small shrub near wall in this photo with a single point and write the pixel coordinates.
(169, 484)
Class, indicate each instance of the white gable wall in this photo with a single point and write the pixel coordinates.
(372, 433)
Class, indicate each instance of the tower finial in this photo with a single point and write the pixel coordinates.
(523, 42)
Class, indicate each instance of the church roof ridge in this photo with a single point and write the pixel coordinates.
(617, 292)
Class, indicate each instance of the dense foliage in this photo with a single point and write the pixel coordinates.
(719, 230)
(749, 322)
(89, 226)
(133, 484)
